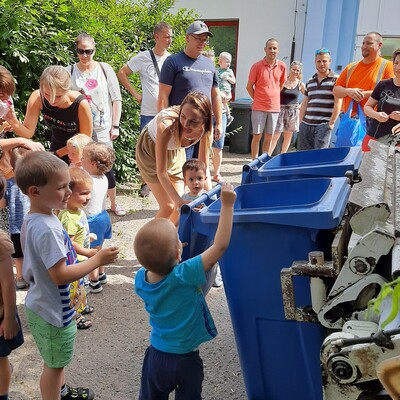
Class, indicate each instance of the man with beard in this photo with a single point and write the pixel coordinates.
(319, 108)
(358, 79)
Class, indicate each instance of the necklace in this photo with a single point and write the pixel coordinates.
(188, 138)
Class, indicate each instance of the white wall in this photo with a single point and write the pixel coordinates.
(259, 20)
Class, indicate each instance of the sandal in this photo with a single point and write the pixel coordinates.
(217, 178)
(87, 310)
(83, 323)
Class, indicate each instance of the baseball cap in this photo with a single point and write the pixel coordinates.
(198, 27)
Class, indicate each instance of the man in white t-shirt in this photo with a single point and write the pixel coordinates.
(144, 64)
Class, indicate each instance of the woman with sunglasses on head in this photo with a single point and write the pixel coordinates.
(65, 112)
(98, 82)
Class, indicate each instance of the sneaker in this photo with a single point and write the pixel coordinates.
(144, 190)
(95, 287)
(218, 279)
(118, 210)
(78, 393)
(20, 284)
(103, 278)
(229, 120)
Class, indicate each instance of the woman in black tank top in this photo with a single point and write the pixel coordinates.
(288, 120)
(65, 112)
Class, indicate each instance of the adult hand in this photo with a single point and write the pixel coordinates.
(217, 131)
(30, 145)
(356, 94)
(395, 115)
(138, 98)
(381, 116)
(114, 133)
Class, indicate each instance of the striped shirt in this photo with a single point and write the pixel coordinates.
(320, 99)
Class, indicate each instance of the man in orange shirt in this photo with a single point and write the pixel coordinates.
(357, 80)
(266, 79)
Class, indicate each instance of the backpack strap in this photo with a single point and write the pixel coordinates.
(153, 57)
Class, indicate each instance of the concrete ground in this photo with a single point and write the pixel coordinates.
(109, 355)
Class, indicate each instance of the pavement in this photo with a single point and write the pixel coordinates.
(108, 356)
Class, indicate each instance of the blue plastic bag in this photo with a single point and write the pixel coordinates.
(351, 130)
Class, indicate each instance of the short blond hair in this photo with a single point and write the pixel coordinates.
(225, 55)
(78, 175)
(79, 141)
(156, 245)
(36, 169)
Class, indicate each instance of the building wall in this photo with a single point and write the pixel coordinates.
(259, 20)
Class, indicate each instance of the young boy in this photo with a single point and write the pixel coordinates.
(44, 178)
(179, 315)
(74, 221)
(226, 79)
(97, 159)
(10, 328)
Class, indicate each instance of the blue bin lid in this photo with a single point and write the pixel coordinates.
(329, 162)
(310, 203)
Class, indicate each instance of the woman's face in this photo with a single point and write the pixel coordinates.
(396, 66)
(192, 122)
(59, 99)
(85, 50)
(295, 70)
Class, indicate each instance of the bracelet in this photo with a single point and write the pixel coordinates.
(115, 126)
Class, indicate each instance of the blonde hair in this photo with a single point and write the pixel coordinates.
(225, 55)
(55, 77)
(36, 169)
(156, 246)
(101, 154)
(79, 141)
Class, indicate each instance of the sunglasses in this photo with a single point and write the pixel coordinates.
(87, 52)
(322, 51)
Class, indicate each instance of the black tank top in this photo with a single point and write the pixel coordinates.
(63, 123)
(290, 96)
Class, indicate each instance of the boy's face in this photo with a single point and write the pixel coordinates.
(195, 181)
(55, 194)
(74, 154)
(224, 63)
(80, 196)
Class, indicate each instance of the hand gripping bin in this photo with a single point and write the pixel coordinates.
(330, 162)
(274, 224)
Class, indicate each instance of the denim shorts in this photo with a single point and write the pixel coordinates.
(7, 346)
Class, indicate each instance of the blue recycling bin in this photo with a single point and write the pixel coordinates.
(274, 224)
(330, 162)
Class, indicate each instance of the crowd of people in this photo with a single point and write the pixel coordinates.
(58, 197)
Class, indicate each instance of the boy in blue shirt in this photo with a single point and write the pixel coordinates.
(179, 315)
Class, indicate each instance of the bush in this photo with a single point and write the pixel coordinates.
(36, 34)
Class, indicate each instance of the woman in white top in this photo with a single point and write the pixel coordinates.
(160, 150)
(98, 82)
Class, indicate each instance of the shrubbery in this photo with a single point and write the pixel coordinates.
(36, 34)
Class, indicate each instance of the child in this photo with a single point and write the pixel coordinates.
(10, 328)
(47, 247)
(226, 79)
(75, 147)
(179, 315)
(194, 176)
(98, 158)
(74, 221)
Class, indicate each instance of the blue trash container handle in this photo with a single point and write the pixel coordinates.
(205, 197)
(250, 171)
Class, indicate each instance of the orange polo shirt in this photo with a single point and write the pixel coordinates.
(267, 81)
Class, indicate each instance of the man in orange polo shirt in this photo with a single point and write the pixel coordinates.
(357, 80)
(266, 79)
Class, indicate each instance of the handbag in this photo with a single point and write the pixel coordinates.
(352, 129)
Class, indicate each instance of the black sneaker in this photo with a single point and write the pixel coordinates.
(78, 393)
(95, 287)
(103, 278)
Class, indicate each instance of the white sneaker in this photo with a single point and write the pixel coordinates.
(218, 279)
(118, 210)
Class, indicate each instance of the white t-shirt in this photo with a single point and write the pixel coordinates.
(143, 64)
(97, 203)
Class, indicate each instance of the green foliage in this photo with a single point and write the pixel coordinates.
(37, 33)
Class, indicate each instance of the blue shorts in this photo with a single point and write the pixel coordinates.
(18, 206)
(162, 373)
(219, 144)
(7, 346)
(100, 224)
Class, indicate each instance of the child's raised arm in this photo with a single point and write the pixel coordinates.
(223, 235)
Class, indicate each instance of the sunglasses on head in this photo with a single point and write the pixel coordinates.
(322, 51)
(87, 52)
